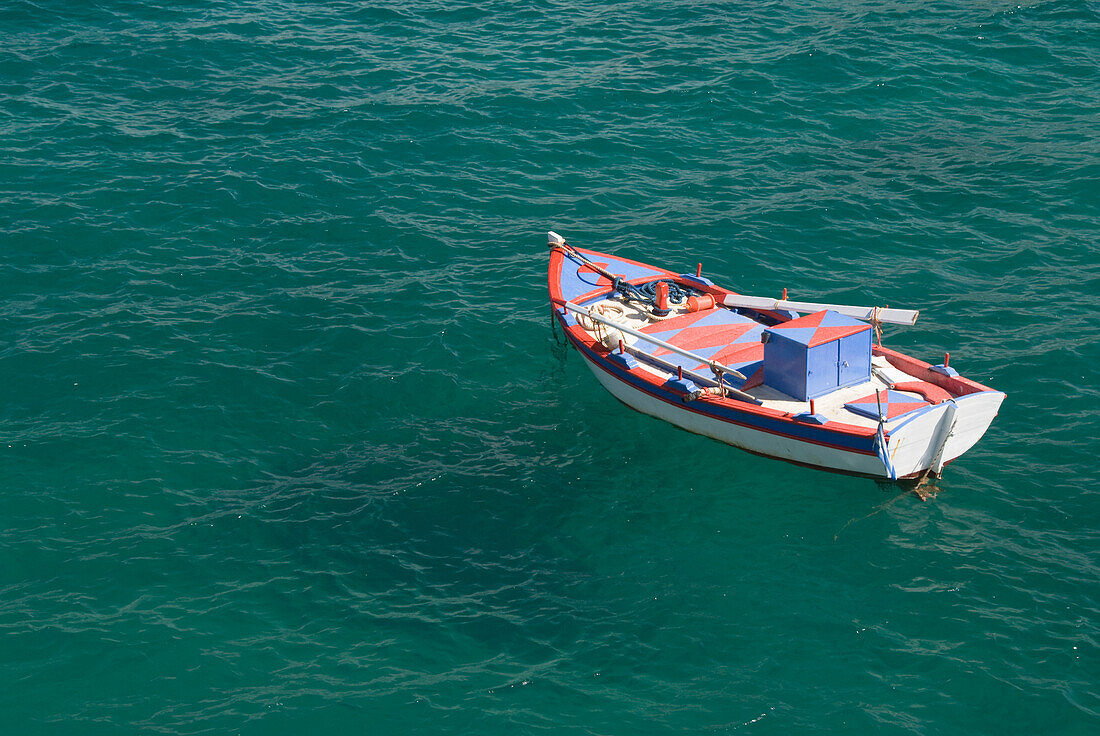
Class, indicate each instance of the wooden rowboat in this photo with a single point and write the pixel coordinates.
(801, 382)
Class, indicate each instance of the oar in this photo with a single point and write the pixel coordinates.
(713, 364)
(882, 314)
(694, 376)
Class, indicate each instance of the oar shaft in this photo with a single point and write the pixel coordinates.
(882, 314)
(696, 377)
(714, 365)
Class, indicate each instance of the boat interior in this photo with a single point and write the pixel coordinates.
(736, 339)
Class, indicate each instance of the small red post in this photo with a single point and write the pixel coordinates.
(662, 295)
(680, 372)
(784, 293)
(946, 359)
(622, 348)
(698, 270)
(812, 409)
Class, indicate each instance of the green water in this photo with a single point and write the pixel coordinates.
(289, 446)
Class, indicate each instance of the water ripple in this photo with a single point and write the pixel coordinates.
(289, 443)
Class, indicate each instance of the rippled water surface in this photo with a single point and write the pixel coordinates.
(289, 446)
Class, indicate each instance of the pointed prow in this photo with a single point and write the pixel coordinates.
(554, 240)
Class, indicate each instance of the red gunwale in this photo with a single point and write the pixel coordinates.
(954, 385)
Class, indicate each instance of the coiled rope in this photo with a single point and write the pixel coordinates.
(647, 293)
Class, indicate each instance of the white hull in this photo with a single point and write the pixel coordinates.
(914, 444)
(941, 433)
(747, 438)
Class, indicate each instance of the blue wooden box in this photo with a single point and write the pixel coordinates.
(814, 355)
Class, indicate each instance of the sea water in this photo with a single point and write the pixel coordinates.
(289, 446)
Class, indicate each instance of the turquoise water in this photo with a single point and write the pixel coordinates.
(289, 446)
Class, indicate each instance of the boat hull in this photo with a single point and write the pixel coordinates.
(747, 438)
(911, 444)
(941, 433)
(913, 447)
